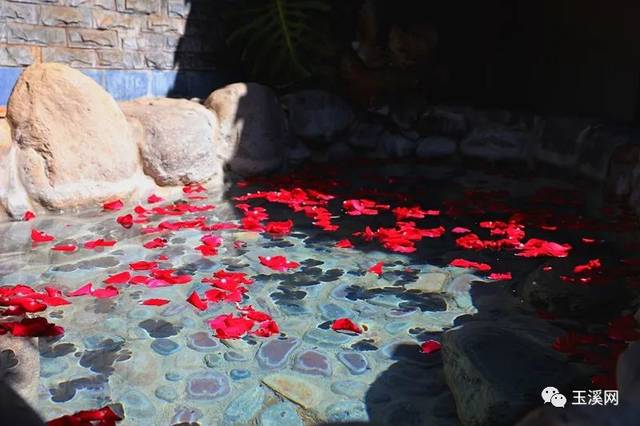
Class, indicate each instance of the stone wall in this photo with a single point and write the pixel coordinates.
(132, 48)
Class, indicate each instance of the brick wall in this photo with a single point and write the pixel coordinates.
(110, 39)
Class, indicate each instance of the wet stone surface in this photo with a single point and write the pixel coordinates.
(165, 365)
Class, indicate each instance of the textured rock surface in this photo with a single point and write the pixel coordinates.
(293, 388)
(179, 139)
(486, 393)
(252, 127)
(317, 115)
(75, 146)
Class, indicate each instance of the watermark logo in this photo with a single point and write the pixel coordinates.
(551, 395)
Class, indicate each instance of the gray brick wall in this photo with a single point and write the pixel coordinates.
(109, 34)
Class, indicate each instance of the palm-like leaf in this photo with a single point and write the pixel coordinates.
(278, 37)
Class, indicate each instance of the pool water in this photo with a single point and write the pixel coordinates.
(164, 364)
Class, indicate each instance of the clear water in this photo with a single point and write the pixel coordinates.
(146, 358)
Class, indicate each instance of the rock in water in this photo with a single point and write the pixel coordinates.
(252, 126)
(178, 140)
(317, 115)
(74, 143)
(496, 372)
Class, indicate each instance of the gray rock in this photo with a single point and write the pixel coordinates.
(349, 388)
(547, 291)
(435, 146)
(317, 115)
(496, 373)
(443, 121)
(325, 338)
(340, 151)
(166, 393)
(178, 139)
(365, 135)
(252, 127)
(396, 145)
(628, 373)
(498, 143)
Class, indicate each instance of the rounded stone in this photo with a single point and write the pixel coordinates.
(207, 386)
(239, 374)
(165, 347)
(166, 393)
(314, 363)
(326, 338)
(233, 356)
(106, 342)
(347, 411)
(331, 311)
(355, 362)
(281, 414)
(242, 409)
(202, 342)
(173, 376)
(212, 360)
(137, 405)
(276, 352)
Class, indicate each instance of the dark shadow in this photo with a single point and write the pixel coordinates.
(14, 410)
(202, 60)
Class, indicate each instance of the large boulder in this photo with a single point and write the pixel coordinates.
(317, 115)
(496, 370)
(252, 125)
(178, 139)
(74, 143)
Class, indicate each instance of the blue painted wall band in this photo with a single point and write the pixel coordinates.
(124, 84)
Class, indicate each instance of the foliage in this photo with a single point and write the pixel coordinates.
(280, 40)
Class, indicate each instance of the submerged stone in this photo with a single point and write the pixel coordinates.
(313, 362)
(325, 338)
(239, 374)
(276, 352)
(242, 409)
(137, 405)
(202, 342)
(166, 393)
(207, 386)
(331, 311)
(348, 411)
(294, 388)
(165, 347)
(355, 362)
(281, 414)
(159, 328)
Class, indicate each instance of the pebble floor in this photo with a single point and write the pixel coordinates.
(163, 364)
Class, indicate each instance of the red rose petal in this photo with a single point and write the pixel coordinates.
(345, 324)
(125, 221)
(41, 237)
(430, 346)
(119, 278)
(28, 215)
(65, 248)
(153, 198)
(344, 244)
(463, 263)
(113, 206)
(154, 302)
(196, 301)
(143, 265)
(377, 268)
(103, 293)
(82, 291)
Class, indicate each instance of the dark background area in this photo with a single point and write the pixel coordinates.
(548, 56)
